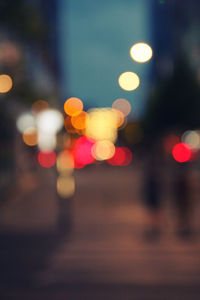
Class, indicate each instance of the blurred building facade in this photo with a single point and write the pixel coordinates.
(176, 28)
(29, 55)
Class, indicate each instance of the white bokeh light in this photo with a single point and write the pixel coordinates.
(50, 121)
(24, 121)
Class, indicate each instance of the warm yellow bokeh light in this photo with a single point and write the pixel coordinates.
(122, 105)
(129, 81)
(73, 106)
(65, 162)
(101, 124)
(141, 52)
(65, 186)
(30, 136)
(103, 150)
(79, 122)
(5, 83)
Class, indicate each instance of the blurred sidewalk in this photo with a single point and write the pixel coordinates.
(31, 204)
(105, 255)
(107, 244)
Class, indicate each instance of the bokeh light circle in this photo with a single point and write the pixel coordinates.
(24, 121)
(47, 158)
(101, 124)
(65, 186)
(120, 118)
(118, 158)
(79, 121)
(73, 106)
(141, 52)
(103, 150)
(191, 138)
(181, 152)
(5, 83)
(30, 136)
(128, 156)
(122, 105)
(50, 121)
(129, 81)
(65, 162)
(82, 151)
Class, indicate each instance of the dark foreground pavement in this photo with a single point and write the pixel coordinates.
(92, 246)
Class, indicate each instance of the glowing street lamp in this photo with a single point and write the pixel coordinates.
(129, 81)
(141, 52)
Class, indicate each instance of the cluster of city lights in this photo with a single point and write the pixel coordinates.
(98, 128)
(75, 138)
(89, 136)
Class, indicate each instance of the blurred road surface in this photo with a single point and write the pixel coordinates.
(102, 254)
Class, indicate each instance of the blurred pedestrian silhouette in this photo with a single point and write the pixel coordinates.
(152, 196)
(182, 201)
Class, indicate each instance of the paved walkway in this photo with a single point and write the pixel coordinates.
(107, 244)
(106, 250)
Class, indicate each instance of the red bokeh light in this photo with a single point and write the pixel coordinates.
(181, 152)
(47, 158)
(128, 156)
(82, 152)
(119, 157)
